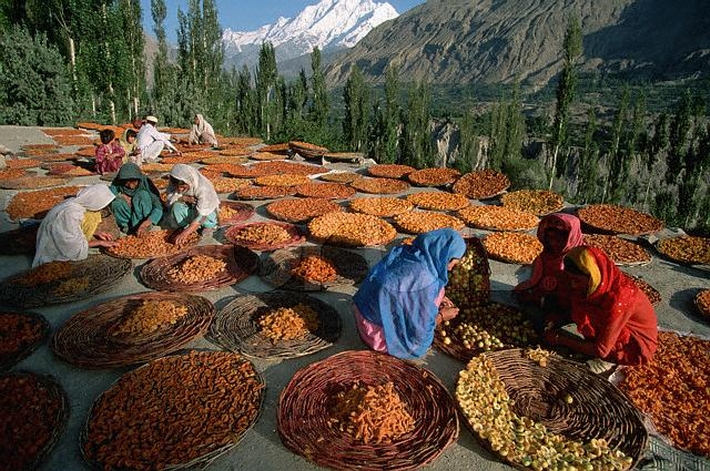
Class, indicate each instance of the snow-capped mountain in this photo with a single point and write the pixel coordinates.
(330, 25)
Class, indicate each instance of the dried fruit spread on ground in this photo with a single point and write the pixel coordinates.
(192, 406)
(288, 323)
(512, 247)
(314, 269)
(390, 170)
(255, 192)
(351, 229)
(18, 332)
(35, 204)
(340, 177)
(537, 202)
(651, 293)
(379, 185)
(150, 245)
(438, 200)
(147, 318)
(482, 184)
(226, 184)
(372, 414)
(325, 190)
(621, 251)
(284, 179)
(383, 207)
(702, 301)
(433, 176)
(301, 209)
(674, 390)
(196, 268)
(417, 222)
(619, 219)
(498, 218)
(686, 249)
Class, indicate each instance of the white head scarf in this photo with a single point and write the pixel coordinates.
(200, 187)
(200, 123)
(59, 236)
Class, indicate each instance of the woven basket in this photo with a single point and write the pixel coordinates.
(176, 385)
(621, 251)
(295, 236)
(351, 268)
(100, 271)
(306, 403)
(241, 263)
(236, 326)
(13, 347)
(85, 339)
(255, 192)
(614, 219)
(19, 241)
(701, 304)
(597, 410)
(243, 212)
(33, 407)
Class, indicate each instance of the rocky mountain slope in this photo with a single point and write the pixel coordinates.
(494, 41)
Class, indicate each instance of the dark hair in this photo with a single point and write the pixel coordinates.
(107, 135)
(176, 181)
(131, 133)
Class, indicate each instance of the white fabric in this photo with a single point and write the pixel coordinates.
(200, 188)
(149, 139)
(202, 132)
(59, 236)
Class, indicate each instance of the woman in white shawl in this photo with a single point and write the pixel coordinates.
(69, 228)
(202, 132)
(193, 201)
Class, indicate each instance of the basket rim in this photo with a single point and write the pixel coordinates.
(10, 361)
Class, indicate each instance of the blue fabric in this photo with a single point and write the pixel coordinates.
(184, 214)
(399, 292)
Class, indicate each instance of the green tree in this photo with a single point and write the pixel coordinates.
(679, 132)
(245, 104)
(390, 118)
(616, 177)
(35, 85)
(572, 49)
(319, 106)
(417, 148)
(356, 96)
(469, 144)
(266, 77)
(588, 166)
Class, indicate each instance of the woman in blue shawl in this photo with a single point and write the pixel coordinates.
(397, 306)
(137, 205)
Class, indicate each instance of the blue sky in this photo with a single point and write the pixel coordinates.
(243, 15)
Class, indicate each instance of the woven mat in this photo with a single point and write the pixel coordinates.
(242, 212)
(236, 326)
(221, 391)
(295, 236)
(19, 241)
(89, 277)
(241, 263)
(597, 410)
(351, 268)
(21, 333)
(34, 410)
(86, 339)
(306, 405)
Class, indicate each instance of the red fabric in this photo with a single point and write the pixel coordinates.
(547, 269)
(617, 316)
(109, 157)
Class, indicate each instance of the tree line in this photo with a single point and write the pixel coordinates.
(63, 61)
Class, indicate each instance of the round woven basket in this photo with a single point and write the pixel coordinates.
(294, 233)
(702, 303)
(306, 404)
(542, 394)
(614, 219)
(91, 276)
(21, 333)
(222, 391)
(242, 212)
(236, 326)
(34, 408)
(240, 264)
(19, 241)
(86, 339)
(621, 251)
(277, 268)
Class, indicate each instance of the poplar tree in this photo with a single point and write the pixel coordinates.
(356, 96)
(588, 166)
(245, 104)
(469, 144)
(391, 117)
(319, 106)
(572, 49)
(131, 14)
(417, 148)
(266, 76)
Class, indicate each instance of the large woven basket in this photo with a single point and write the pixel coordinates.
(34, 410)
(200, 404)
(306, 404)
(86, 339)
(236, 326)
(96, 274)
(277, 268)
(242, 212)
(296, 237)
(569, 400)
(241, 263)
(19, 241)
(21, 333)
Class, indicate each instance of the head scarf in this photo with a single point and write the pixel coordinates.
(400, 290)
(200, 187)
(59, 236)
(609, 292)
(547, 265)
(131, 171)
(200, 123)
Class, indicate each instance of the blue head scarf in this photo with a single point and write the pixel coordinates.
(400, 290)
